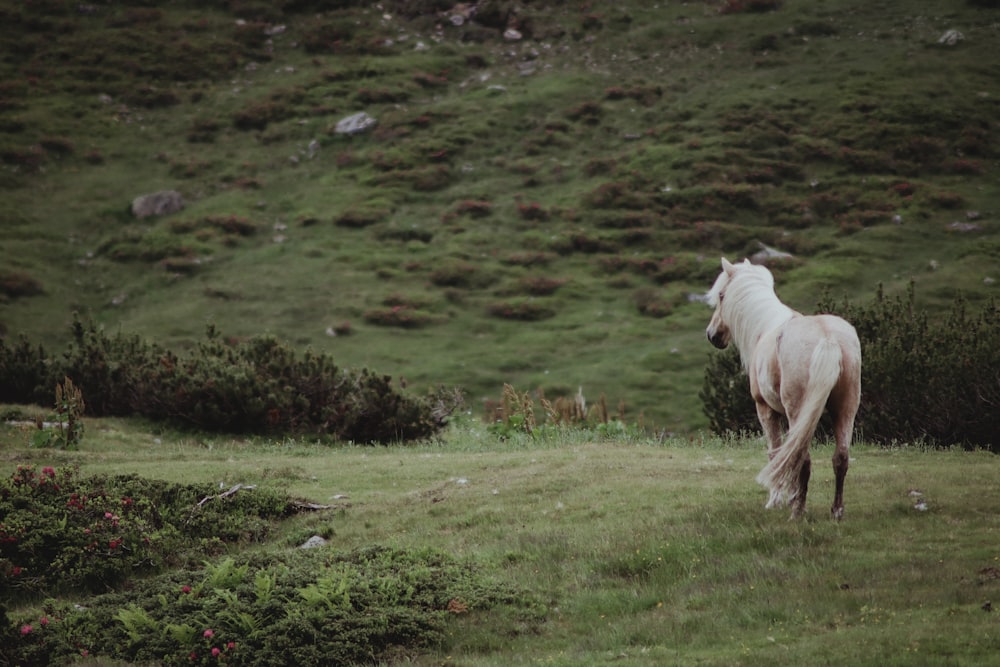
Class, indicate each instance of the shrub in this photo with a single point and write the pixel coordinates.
(524, 310)
(725, 395)
(586, 112)
(257, 116)
(329, 38)
(57, 145)
(928, 378)
(456, 274)
(15, 284)
(302, 607)
(616, 196)
(540, 285)
(23, 369)
(404, 316)
(358, 217)
(651, 304)
(61, 532)
(739, 6)
(105, 368)
(262, 386)
(582, 242)
(924, 379)
(475, 208)
(528, 259)
(257, 386)
(533, 211)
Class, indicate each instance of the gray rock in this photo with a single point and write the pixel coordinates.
(767, 254)
(951, 38)
(313, 542)
(164, 202)
(355, 124)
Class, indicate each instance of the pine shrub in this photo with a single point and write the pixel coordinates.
(255, 386)
(925, 379)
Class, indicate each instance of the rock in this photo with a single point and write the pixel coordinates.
(355, 124)
(313, 542)
(512, 35)
(951, 38)
(767, 253)
(164, 202)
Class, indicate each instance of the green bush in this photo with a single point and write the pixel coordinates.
(725, 395)
(60, 532)
(924, 379)
(302, 607)
(22, 373)
(263, 386)
(106, 368)
(255, 386)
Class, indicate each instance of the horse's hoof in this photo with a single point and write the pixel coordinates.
(838, 513)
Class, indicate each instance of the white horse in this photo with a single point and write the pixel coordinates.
(798, 365)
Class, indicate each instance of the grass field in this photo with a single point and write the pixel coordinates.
(642, 552)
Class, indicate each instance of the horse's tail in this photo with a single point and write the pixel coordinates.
(781, 474)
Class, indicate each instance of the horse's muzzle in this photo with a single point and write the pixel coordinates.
(718, 339)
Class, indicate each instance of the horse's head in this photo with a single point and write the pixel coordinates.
(718, 331)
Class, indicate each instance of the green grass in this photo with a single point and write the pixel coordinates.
(643, 552)
(691, 132)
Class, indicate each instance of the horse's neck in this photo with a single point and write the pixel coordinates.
(759, 316)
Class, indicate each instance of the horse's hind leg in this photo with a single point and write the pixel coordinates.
(799, 504)
(843, 427)
(840, 464)
(770, 421)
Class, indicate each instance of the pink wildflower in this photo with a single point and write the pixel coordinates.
(215, 652)
(231, 645)
(185, 589)
(43, 621)
(108, 515)
(26, 629)
(49, 471)
(208, 633)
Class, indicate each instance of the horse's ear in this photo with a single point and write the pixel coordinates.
(727, 266)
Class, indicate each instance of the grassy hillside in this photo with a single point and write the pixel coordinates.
(532, 208)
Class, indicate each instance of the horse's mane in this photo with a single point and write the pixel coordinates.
(750, 308)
